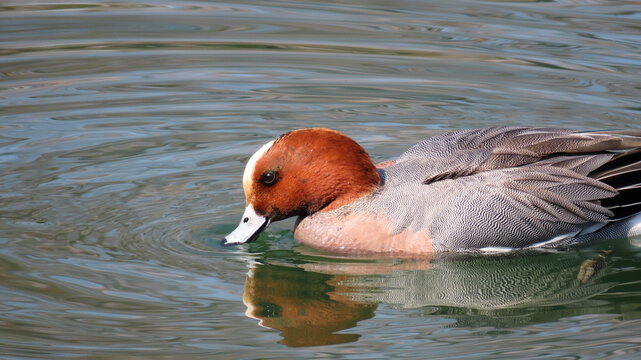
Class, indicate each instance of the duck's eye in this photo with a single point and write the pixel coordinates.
(269, 177)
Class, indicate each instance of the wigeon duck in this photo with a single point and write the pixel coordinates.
(488, 189)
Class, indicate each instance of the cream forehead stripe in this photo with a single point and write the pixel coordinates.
(251, 164)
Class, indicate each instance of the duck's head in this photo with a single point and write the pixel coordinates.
(300, 173)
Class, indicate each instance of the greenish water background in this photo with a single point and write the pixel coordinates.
(124, 130)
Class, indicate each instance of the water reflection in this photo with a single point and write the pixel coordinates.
(305, 306)
(310, 302)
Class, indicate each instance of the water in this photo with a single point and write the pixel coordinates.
(124, 131)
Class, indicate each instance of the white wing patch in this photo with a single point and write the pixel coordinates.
(497, 249)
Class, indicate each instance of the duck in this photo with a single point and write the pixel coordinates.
(476, 190)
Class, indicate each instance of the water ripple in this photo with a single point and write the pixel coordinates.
(126, 125)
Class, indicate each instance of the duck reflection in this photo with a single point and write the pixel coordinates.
(311, 302)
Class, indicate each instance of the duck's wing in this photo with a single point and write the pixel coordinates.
(516, 187)
(467, 152)
(623, 173)
(515, 208)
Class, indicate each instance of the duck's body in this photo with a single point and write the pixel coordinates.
(485, 189)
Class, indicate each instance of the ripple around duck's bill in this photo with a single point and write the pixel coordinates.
(112, 271)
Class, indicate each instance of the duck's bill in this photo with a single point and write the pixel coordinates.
(251, 225)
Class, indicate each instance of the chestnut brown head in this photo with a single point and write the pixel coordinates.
(300, 173)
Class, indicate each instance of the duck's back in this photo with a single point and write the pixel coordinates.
(511, 187)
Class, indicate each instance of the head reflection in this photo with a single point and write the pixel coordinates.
(305, 306)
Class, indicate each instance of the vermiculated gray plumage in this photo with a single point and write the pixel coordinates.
(514, 187)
